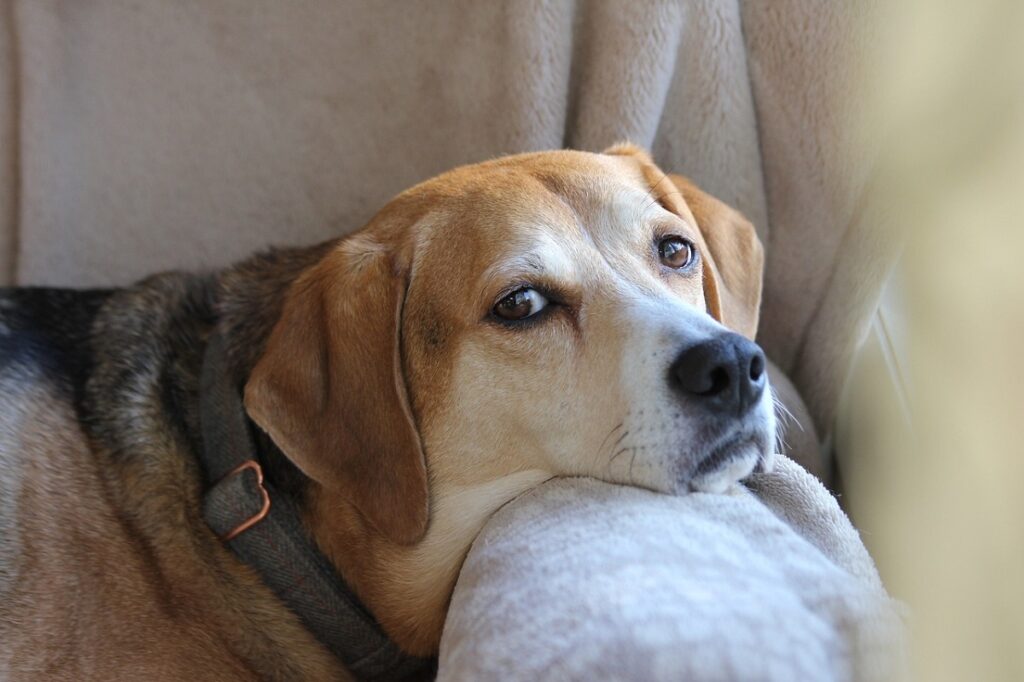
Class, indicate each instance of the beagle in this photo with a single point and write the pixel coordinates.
(539, 315)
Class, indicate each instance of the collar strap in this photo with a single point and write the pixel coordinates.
(264, 529)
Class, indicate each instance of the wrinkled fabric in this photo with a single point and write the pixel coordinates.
(583, 580)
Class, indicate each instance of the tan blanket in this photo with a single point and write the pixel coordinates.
(582, 580)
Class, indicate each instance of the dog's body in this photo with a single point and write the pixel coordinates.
(399, 411)
(106, 569)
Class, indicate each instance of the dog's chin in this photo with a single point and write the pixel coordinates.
(730, 463)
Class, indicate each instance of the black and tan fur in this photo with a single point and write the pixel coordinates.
(99, 409)
(107, 570)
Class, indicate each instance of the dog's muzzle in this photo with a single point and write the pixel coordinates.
(723, 380)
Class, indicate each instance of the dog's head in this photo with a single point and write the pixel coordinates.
(563, 313)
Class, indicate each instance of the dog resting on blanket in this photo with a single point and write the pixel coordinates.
(276, 471)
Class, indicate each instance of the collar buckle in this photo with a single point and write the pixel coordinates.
(264, 508)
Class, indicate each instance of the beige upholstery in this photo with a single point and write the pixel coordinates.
(140, 135)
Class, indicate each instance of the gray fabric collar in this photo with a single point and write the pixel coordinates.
(264, 529)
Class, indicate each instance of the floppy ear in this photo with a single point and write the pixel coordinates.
(330, 391)
(733, 256)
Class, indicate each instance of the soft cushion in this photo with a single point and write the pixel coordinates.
(582, 580)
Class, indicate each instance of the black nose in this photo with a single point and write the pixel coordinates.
(725, 373)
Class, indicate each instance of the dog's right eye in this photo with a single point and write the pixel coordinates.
(521, 304)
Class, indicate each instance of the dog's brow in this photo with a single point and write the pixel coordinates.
(520, 265)
(533, 262)
(552, 270)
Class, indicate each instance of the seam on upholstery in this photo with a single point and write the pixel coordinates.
(768, 231)
(14, 159)
(670, 81)
(840, 355)
(572, 90)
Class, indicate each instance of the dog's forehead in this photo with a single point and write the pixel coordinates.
(579, 180)
(535, 203)
(569, 218)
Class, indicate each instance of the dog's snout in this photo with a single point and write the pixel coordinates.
(724, 374)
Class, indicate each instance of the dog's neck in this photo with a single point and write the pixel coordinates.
(249, 299)
(409, 588)
(406, 588)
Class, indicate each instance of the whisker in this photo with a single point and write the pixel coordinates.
(784, 419)
(611, 460)
(600, 450)
(605, 441)
(608, 467)
(781, 426)
(783, 413)
(651, 191)
(660, 197)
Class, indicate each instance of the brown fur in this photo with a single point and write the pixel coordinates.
(365, 361)
(729, 241)
(113, 574)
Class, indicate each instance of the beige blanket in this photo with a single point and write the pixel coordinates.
(582, 580)
(140, 135)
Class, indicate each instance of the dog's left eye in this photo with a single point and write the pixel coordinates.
(521, 304)
(676, 252)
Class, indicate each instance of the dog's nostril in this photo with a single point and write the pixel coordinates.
(719, 381)
(756, 367)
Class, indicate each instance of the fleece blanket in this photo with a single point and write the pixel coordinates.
(138, 136)
(582, 580)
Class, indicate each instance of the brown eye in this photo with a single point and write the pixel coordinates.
(676, 252)
(521, 304)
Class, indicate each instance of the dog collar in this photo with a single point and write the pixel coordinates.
(264, 530)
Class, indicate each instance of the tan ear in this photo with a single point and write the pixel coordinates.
(732, 251)
(330, 391)
(735, 256)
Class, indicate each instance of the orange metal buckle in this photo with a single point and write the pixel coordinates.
(264, 510)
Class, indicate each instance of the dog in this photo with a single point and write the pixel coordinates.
(539, 315)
